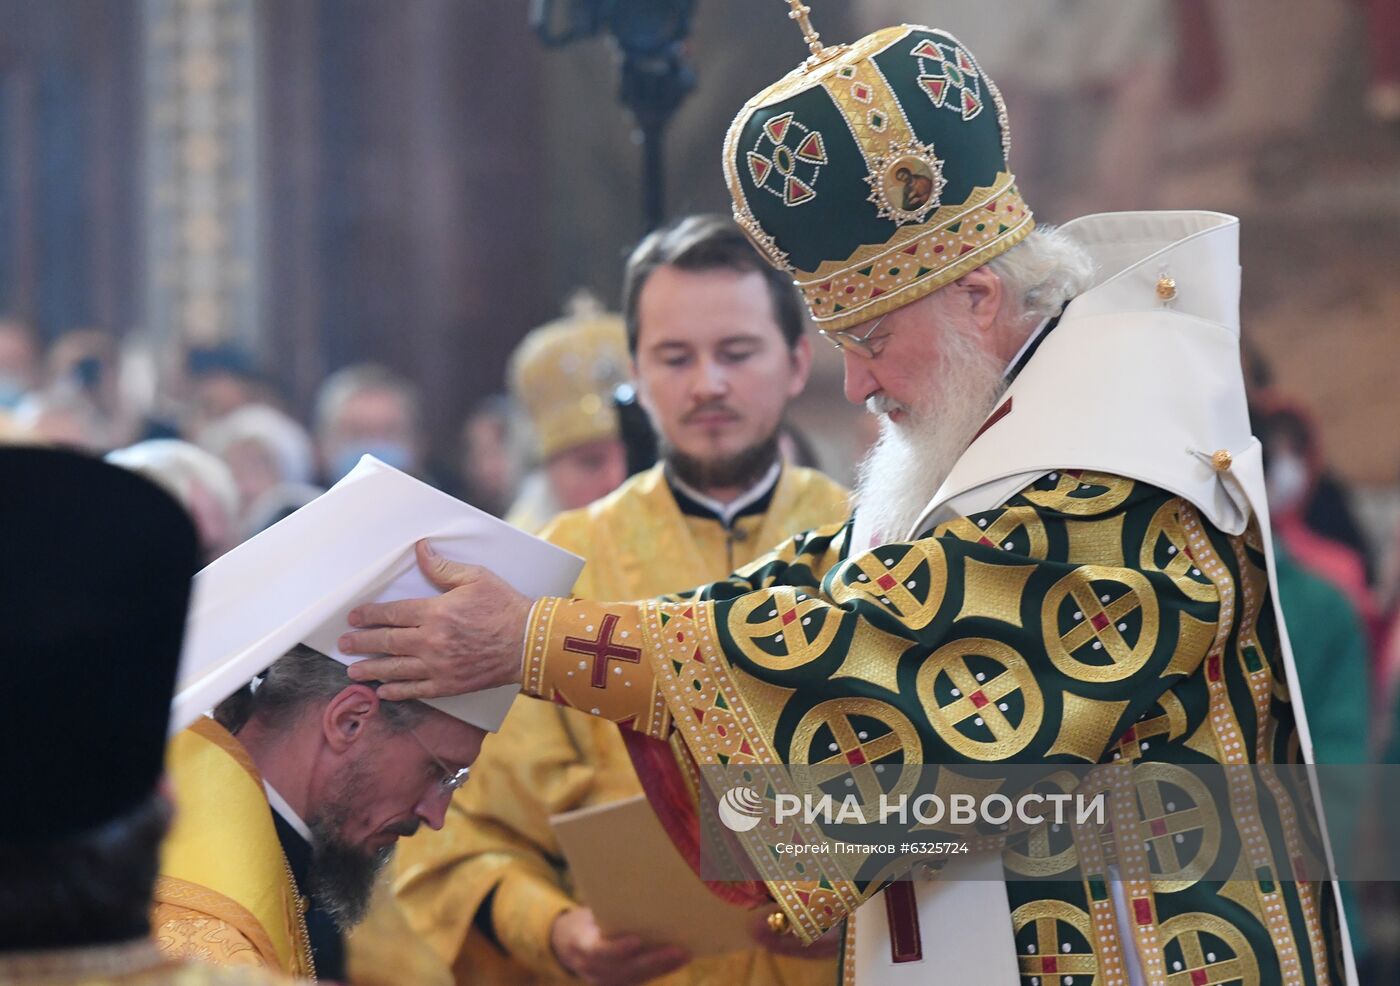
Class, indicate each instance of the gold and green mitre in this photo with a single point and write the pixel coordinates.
(876, 172)
(563, 374)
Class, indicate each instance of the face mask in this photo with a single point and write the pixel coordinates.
(1286, 482)
(390, 453)
(12, 391)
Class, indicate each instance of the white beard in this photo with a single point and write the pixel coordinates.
(910, 460)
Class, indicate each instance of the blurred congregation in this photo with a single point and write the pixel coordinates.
(244, 244)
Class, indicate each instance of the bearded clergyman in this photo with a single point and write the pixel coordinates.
(291, 799)
(1060, 554)
(291, 796)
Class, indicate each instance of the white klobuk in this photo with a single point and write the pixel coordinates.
(297, 581)
(1131, 384)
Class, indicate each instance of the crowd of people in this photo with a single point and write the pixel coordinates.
(218, 431)
(1002, 594)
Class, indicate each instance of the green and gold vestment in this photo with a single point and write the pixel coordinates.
(1090, 619)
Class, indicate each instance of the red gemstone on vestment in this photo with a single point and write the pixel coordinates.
(855, 758)
(1049, 963)
(1100, 621)
(1213, 668)
(887, 582)
(1158, 826)
(1199, 977)
(812, 150)
(789, 616)
(978, 699)
(1142, 911)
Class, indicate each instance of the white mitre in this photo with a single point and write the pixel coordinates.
(298, 580)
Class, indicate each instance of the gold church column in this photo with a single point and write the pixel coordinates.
(201, 196)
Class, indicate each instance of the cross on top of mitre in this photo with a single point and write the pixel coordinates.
(800, 12)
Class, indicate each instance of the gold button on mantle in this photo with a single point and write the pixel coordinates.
(1166, 288)
(1222, 460)
(778, 923)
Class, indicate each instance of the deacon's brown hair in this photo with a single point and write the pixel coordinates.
(701, 243)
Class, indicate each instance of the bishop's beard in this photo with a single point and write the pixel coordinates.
(911, 459)
(342, 876)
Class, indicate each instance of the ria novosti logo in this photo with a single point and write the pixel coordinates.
(741, 809)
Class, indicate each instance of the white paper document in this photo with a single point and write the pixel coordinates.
(298, 580)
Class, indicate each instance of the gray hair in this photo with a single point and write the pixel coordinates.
(299, 678)
(284, 440)
(345, 383)
(1043, 272)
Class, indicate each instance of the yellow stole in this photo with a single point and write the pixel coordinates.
(639, 544)
(223, 857)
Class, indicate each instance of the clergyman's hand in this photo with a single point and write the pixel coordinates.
(469, 638)
(581, 948)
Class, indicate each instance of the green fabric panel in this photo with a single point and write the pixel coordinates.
(970, 150)
(839, 219)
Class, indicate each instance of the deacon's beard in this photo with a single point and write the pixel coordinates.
(739, 471)
(342, 876)
(912, 458)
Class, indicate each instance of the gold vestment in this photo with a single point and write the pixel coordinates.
(225, 894)
(135, 963)
(547, 759)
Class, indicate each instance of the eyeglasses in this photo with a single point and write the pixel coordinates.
(450, 780)
(861, 345)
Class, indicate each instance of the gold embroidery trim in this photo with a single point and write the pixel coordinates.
(1261, 691)
(846, 86)
(173, 890)
(689, 636)
(920, 258)
(1229, 738)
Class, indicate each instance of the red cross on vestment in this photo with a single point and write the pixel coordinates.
(602, 649)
